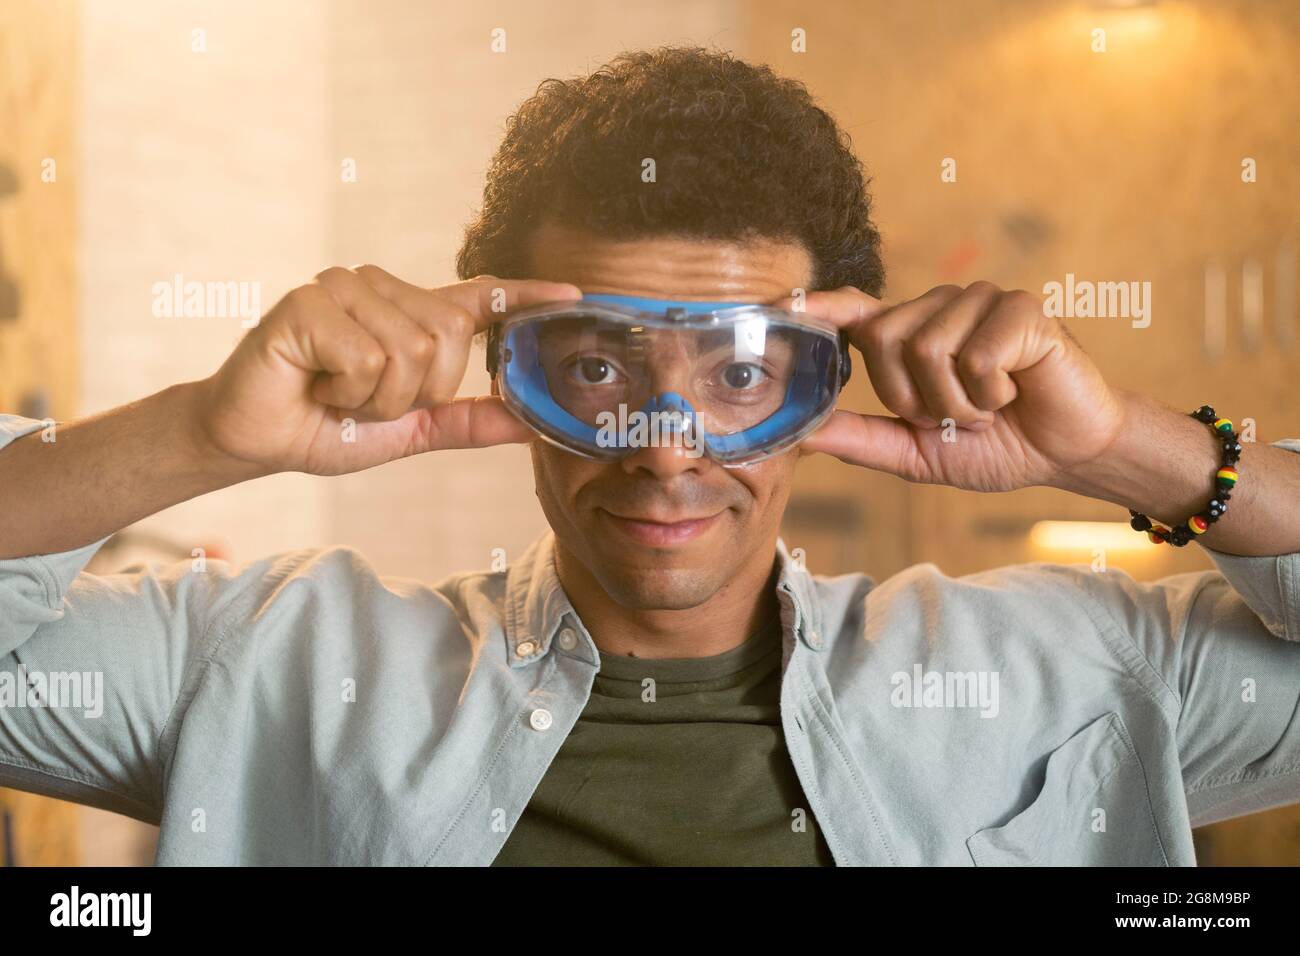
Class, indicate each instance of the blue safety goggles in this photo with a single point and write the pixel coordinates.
(607, 374)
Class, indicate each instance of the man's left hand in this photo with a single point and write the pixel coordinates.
(991, 393)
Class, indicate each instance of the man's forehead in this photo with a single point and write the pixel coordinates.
(669, 267)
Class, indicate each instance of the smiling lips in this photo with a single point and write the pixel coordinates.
(661, 534)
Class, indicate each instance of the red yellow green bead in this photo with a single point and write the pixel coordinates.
(1225, 479)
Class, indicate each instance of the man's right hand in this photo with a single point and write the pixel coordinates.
(362, 344)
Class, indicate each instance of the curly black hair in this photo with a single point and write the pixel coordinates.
(739, 153)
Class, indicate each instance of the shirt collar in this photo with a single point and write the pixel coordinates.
(539, 614)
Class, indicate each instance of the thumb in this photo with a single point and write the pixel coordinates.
(470, 423)
(878, 442)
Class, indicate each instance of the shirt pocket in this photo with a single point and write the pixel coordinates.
(1094, 809)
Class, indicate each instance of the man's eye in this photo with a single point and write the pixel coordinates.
(742, 375)
(593, 370)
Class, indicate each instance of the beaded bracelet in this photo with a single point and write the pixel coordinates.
(1225, 479)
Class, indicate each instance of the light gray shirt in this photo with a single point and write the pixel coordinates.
(304, 709)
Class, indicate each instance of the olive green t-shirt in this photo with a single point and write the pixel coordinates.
(678, 762)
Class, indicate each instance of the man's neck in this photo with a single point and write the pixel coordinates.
(738, 610)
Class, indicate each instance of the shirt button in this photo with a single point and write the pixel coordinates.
(814, 639)
(568, 639)
(526, 649)
(540, 719)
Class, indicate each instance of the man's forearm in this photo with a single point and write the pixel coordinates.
(102, 473)
(1162, 465)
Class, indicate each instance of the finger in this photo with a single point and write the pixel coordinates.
(487, 299)
(449, 326)
(881, 340)
(477, 422)
(322, 337)
(878, 332)
(1014, 337)
(844, 307)
(425, 308)
(408, 347)
(930, 355)
(871, 441)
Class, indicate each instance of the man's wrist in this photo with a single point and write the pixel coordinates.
(1161, 463)
(203, 457)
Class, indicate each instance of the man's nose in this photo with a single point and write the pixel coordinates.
(664, 461)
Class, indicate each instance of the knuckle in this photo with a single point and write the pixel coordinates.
(1024, 301)
(309, 301)
(302, 298)
(923, 349)
(977, 363)
(983, 285)
(875, 335)
(422, 348)
(456, 322)
(371, 361)
(333, 274)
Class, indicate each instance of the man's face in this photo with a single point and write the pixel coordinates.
(661, 529)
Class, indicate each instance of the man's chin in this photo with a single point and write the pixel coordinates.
(661, 589)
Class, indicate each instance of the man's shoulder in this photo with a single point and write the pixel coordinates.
(1034, 600)
(1007, 579)
(345, 564)
(339, 582)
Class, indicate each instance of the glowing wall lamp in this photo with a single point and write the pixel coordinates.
(1087, 536)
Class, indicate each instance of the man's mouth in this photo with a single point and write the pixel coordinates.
(660, 532)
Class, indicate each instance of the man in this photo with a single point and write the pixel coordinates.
(656, 681)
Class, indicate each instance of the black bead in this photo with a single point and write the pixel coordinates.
(1219, 504)
(1140, 523)
(1232, 447)
(1205, 413)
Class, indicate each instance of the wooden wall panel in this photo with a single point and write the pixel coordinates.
(38, 344)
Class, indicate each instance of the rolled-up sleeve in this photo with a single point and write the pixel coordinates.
(1226, 644)
(1269, 585)
(119, 644)
(32, 589)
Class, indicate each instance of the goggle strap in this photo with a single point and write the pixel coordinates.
(493, 346)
